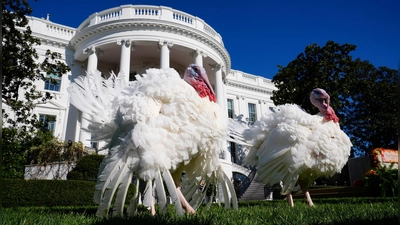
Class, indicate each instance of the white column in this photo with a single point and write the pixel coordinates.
(124, 67)
(198, 57)
(92, 62)
(92, 59)
(164, 55)
(219, 85)
(219, 91)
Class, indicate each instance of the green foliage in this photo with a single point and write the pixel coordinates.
(38, 148)
(386, 178)
(53, 150)
(87, 168)
(15, 146)
(371, 110)
(21, 193)
(362, 95)
(21, 68)
(14, 154)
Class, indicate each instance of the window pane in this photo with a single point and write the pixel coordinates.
(49, 85)
(252, 113)
(233, 151)
(230, 108)
(48, 121)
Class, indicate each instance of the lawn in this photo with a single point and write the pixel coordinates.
(327, 211)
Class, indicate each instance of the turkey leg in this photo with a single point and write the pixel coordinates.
(185, 205)
(303, 186)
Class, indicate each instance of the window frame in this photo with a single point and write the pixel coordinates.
(231, 112)
(49, 85)
(51, 125)
(252, 113)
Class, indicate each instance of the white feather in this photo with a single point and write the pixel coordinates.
(290, 144)
(162, 198)
(132, 208)
(156, 123)
(172, 191)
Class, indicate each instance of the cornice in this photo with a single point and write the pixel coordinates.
(53, 42)
(151, 26)
(244, 86)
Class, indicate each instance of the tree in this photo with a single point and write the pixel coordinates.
(20, 70)
(21, 67)
(363, 96)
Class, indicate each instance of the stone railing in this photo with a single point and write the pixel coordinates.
(250, 79)
(54, 28)
(44, 26)
(155, 13)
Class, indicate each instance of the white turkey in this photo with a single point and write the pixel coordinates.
(157, 127)
(294, 147)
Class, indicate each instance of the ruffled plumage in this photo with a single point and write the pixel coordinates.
(156, 127)
(290, 145)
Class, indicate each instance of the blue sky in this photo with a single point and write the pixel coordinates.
(261, 34)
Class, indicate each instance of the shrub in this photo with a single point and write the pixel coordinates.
(18, 193)
(14, 154)
(383, 177)
(21, 148)
(54, 150)
(87, 168)
(22, 193)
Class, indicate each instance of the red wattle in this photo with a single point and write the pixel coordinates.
(203, 91)
(331, 115)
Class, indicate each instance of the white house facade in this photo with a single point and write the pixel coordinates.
(132, 38)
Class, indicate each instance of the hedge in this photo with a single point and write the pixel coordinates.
(21, 193)
(87, 168)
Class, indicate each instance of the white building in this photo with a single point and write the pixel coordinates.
(133, 38)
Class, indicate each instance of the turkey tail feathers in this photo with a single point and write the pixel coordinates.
(218, 179)
(114, 176)
(231, 190)
(132, 208)
(162, 198)
(236, 129)
(227, 187)
(169, 182)
(119, 203)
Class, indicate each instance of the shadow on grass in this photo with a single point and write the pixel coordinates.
(386, 221)
(353, 200)
(157, 220)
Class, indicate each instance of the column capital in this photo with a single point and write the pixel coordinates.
(198, 52)
(163, 43)
(90, 50)
(216, 66)
(127, 43)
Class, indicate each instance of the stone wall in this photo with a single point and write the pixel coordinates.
(50, 171)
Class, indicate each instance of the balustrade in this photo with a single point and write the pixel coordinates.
(153, 12)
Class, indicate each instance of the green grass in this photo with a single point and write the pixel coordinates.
(327, 211)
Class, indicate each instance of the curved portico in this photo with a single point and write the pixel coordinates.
(132, 38)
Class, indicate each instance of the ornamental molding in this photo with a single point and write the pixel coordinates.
(52, 42)
(198, 52)
(92, 49)
(128, 43)
(152, 27)
(161, 43)
(247, 87)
